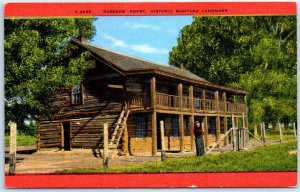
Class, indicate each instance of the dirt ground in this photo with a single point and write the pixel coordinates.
(31, 161)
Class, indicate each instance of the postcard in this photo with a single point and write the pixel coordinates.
(150, 94)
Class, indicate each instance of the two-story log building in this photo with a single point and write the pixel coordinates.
(133, 95)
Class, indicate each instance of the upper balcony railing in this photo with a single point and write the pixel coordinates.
(139, 101)
(174, 102)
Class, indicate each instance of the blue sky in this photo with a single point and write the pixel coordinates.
(147, 37)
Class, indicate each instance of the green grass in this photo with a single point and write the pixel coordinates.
(22, 140)
(287, 135)
(265, 158)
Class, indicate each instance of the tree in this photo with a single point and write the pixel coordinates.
(257, 54)
(38, 60)
(273, 95)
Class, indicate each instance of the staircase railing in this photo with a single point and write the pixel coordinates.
(238, 139)
(117, 125)
(220, 139)
(117, 134)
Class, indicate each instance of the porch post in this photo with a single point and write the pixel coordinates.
(62, 136)
(181, 120)
(192, 118)
(191, 123)
(179, 89)
(206, 132)
(181, 132)
(202, 103)
(125, 137)
(225, 131)
(225, 101)
(217, 101)
(191, 98)
(218, 129)
(203, 94)
(153, 105)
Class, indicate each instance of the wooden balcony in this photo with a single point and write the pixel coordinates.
(174, 102)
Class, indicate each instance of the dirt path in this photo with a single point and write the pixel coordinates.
(51, 161)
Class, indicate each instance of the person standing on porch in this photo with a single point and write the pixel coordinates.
(198, 133)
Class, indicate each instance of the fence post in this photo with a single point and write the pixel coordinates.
(261, 132)
(280, 132)
(12, 148)
(162, 138)
(264, 131)
(105, 145)
(238, 139)
(255, 130)
(233, 133)
(295, 132)
(244, 131)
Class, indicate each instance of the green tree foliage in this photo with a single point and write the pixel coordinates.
(39, 60)
(273, 95)
(257, 54)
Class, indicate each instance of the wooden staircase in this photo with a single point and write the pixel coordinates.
(119, 129)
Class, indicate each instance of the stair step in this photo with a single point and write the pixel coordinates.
(113, 146)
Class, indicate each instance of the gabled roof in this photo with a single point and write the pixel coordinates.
(131, 65)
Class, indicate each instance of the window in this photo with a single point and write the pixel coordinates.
(197, 103)
(141, 127)
(175, 127)
(212, 126)
(76, 96)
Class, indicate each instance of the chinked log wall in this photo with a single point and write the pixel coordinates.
(86, 120)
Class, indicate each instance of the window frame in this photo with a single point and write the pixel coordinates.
(141, 130)
(80, 94)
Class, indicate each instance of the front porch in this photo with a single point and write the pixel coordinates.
(187, 104)
(144, 134)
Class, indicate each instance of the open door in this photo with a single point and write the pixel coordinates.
(66, 136)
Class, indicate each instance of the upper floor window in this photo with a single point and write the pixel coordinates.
(76, 96)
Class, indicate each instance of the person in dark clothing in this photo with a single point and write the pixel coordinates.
(198, 133)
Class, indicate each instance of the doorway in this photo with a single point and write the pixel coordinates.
(66, 139)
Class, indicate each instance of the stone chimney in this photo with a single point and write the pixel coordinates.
(181, 66)
(82, 39)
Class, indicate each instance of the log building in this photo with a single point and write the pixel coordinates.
(133, 96)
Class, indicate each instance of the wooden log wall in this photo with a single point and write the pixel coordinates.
(138, 145)
(101, 104)
(50, 134)
(137, 85)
